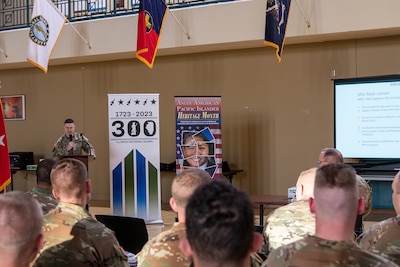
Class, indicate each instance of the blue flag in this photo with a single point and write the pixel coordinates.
(276, 17)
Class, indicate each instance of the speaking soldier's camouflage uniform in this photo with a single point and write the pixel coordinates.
(73, 238)
(317, 252)
(80, 143)
(383, 238)
(163, 250)
(45, 198)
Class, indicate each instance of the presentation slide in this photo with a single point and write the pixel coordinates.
(367, 119)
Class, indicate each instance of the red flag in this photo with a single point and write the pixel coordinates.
(5, 173)
(150, 21)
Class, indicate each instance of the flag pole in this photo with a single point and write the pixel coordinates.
(3, 52)
(79, 34)
(183, 29)
(302, 12)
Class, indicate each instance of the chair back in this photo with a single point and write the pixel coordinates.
(130, 232)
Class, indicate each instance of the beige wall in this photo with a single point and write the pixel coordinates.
(275, 117)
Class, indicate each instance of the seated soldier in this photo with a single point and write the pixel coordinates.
(220, 227)
(336, 203)
(384, 238)
(163, 250)
(291, 222)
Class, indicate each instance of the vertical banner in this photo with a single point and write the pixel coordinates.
(135, 156)
(198, 134)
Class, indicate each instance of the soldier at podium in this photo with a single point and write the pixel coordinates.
(72, 143)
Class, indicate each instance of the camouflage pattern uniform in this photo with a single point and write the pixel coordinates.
(45, 198)
(291, 222)
(313, 251)
(163, 250)
(73, 238)
(287, 224)
(80, 141)
(383, 238)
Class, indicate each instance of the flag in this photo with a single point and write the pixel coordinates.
(5, 173)
(150, 21)
(45, 27)
(276, 18)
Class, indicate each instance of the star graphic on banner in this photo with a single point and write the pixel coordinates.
(120, 102)
(137, 102)
(1, 140)
(153, 102)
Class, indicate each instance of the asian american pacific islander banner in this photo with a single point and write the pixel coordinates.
(198, 134)
(135, 156)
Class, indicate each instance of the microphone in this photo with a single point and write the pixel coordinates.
(72, 149)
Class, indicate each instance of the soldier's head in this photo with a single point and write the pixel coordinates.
(328, 156)
(70, 181)
(336, 194)
(396, 193)
(69, 127)
(21, 222)
(305, 184)
(183, 186)
(220, 226)
(43, 171)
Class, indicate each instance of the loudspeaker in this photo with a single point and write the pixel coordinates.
(19, 160)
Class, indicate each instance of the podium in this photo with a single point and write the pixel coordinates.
(82, 158)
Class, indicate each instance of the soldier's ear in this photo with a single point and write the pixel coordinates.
(54, 193)
(311, 203)
(172, 203)
(361, 205)
(185, 247)
(257, 242)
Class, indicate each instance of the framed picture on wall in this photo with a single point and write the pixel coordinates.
(13, 107)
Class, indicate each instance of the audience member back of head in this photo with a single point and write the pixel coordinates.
(220, 227)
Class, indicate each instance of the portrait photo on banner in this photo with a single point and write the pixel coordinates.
(198, 150)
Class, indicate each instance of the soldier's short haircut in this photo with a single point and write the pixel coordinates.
(21, 222)
(333, 153)
(43, 171)
(68, 177)
(220, 223)
(336, 175)
(185, 183)
(69, 121)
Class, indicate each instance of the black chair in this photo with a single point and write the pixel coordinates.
(130, 232)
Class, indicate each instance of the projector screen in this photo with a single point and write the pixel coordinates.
(367, 117)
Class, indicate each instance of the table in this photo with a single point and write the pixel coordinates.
(262, 200)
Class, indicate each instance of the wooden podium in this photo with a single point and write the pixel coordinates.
(83, 158)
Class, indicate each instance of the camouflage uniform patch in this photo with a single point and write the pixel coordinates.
(384, 239)
(45, 198)
(73, 238)
(316, 252)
